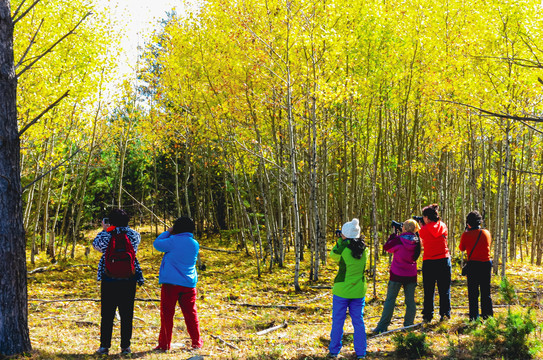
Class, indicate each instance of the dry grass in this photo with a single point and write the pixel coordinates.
(70, 329)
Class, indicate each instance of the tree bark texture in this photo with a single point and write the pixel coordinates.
(14, 334)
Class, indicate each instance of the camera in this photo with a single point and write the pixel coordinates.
(418, 219)
(396, 225)
(338, 233)
(105, 221)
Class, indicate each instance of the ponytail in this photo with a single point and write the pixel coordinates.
(357, 247)
(431, 212)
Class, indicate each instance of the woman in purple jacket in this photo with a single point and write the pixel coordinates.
(403, 272)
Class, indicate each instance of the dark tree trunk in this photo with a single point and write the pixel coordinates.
(14, 336)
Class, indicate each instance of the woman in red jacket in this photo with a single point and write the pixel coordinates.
(436, 264)
(476, 241)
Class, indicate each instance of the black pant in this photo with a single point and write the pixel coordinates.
(436, 271)
(479, 278)
(117, 294)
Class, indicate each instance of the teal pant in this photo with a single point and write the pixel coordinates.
(390, 302)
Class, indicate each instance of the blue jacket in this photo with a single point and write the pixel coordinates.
(178, 265)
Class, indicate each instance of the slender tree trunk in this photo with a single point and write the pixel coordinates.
(505, 202)
(177, 196)
(293, 158)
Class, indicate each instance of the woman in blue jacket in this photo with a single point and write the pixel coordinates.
(178, 278)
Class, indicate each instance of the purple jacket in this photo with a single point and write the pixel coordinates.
(404, 265)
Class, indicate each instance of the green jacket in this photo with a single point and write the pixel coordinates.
(350, 281)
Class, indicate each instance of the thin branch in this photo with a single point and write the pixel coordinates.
(85, 299)
(225, 342)
(503, 116)
(219, 250)
(515, 61)
(23, 14)
(35, 120)
(524, 171)
(145, 207)
(287, 307)
(52, 169)
(54, 45)
(395, 330)
(267, 45)
(269, 330)
(531, 127)
(17, 10)
(29, 45)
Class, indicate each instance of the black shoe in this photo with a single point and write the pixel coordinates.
(102, 351)
(126, 351)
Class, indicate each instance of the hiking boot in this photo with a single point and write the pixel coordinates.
(126, 351)
(102, 351)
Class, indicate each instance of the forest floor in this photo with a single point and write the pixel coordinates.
(234, 304)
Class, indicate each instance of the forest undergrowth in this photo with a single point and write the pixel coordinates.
(234, 305)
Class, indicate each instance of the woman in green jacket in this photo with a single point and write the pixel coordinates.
(349, 288)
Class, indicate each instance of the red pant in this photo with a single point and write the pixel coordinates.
(186, 297)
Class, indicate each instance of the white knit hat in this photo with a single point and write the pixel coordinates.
(351, 229)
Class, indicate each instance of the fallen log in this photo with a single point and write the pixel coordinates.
(225, 342)
(288, 307)
(269, 330)
(219, 250)
(85, 299)
(39, 270)
(395, 330)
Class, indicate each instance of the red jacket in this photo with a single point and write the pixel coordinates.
(433, 238)
(482, 250)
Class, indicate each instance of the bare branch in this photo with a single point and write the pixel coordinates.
(43, 113)
(29, 66)
(525, 171)
(503, 116)
(225, 342)
(531, 127)
(29, 46)
(17, 10)
(46, 301)
(267, 45)
(145, 207)
(26, 12)
(395, 330)
(269, 330)
(52, 169)
(219, 250)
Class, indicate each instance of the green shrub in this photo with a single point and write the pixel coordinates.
(410, 345)
(505, 337)
(507, 291)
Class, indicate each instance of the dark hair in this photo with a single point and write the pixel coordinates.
(118, 217)
(431, 212)
(183, 224)
(474, 219)
(357, 247)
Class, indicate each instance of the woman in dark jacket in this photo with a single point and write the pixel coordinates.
(116, 293)
(476, 241)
